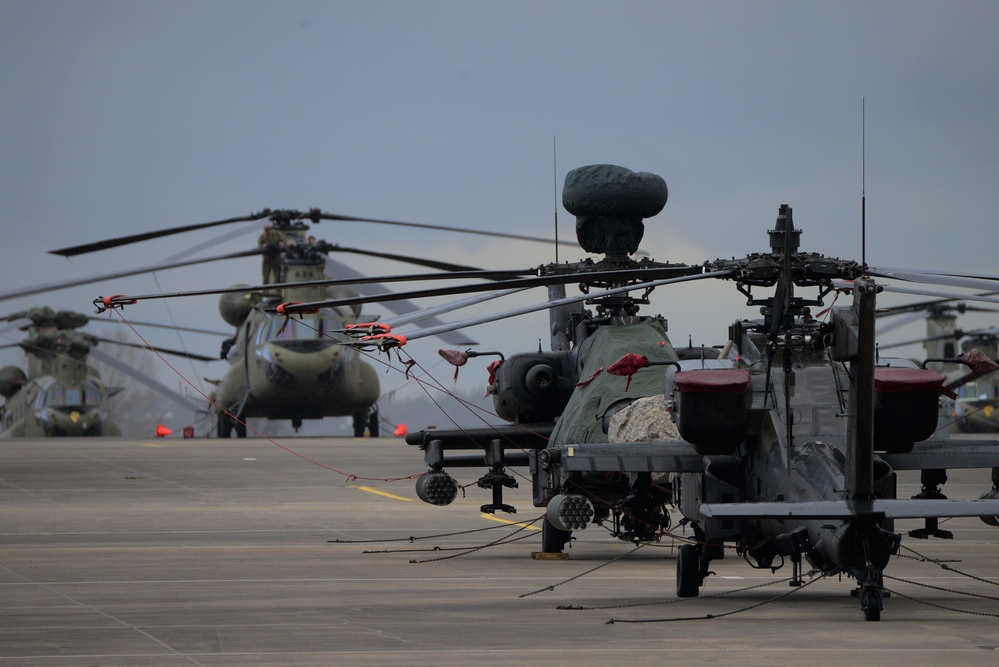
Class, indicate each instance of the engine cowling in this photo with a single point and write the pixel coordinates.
(235, 307)
(12, 379)
(532, 386)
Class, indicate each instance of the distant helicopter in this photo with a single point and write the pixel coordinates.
(297, 368)
(785, 442)
(61, 395)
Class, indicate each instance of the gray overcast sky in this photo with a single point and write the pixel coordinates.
(124, 116)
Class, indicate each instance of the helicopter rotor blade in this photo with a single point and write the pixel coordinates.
(977, 281)
(517, 237)
(937, 272)
(14, 324)
(162, 389)
(355, 279)
(945, 295)
(161, 350)
(426, 313)
(55, 286)
(922, 307)
(400, 306)
(146, 236)
(154, 325)
(211, 243)
(563, 302)
(956, 334)
(988, 297)
(900, 322)
(505, 278)
(418, 261)
(286, 215)
(536, 281)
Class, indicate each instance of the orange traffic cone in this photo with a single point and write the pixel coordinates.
(162, 431)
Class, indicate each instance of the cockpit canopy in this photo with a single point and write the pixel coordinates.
(83, 396)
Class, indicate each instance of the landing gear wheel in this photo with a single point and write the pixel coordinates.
(239, 424)
(360, 418)
(224, 425)
(870, 602)
(553, 539)
(373, 423)
(688, 571)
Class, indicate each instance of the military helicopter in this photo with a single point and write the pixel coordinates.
(298, 368)
(785, 443)
(973, 408)
(61, 394)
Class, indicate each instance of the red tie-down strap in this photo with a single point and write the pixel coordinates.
(455, 358)
(627, 366)
(492, 371)
(583, 383)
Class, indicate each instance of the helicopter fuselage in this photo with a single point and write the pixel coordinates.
(785, 443)
(295, 369)
(804, 464)
(47, 407)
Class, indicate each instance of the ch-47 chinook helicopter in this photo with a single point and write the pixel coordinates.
(297, 368)
(975, 405)
(61, 395)
(785, 444)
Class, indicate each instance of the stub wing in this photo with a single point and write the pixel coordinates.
(650, 456)
(849, 509)
(944, 454)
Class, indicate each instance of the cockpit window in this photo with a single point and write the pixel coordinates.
(307, 328)
(57, 395)
(981, 392)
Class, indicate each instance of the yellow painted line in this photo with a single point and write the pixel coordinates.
(154, 444)
(493, 517)
(380, 493)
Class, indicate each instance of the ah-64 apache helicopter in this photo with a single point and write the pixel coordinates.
(785, 444)
(295, 368)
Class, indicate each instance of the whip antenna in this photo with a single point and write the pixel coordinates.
(863, 185)
(555, 189)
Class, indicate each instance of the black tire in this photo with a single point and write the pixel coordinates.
(688, 572)
(553, 539)
(240, 426)
(373, 424)
(225, 425)
(359, 419)
(871, 605)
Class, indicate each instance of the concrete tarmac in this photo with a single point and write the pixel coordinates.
(225, 552)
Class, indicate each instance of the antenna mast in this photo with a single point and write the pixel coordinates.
(863, 185)
(555, 190)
